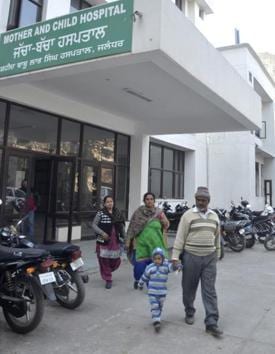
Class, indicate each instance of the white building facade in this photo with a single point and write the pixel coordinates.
(245, 160)
(167, 80)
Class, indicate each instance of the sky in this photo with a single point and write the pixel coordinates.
(255, 19)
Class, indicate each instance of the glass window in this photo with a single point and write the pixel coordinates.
(87, 230)
(77, 5)
(24, 13)
(122, 150)
(98, 144)
(122, 175)
(106, 175)
(106, 182)
(179, 161)
(181, 192)
(177, 184)
(69, 145)
(155, 183)
(30, 12)
(168, 159)
(2, 120)
(18, 168)
(89, 188)
(33, 130)
(166, 172)
(155, 156)
(85, 5)
(167, 185)
(64, 185)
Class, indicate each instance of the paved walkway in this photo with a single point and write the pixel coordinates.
(117, 321)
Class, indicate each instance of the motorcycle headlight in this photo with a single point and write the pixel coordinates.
(241, 231)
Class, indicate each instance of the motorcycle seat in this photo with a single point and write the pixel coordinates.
(58, 248)
(244, 223)
(233, 225)
(8, 254)
(261, 218)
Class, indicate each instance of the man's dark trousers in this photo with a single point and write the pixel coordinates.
(195, 269)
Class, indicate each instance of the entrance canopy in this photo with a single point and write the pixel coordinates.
(171, 81)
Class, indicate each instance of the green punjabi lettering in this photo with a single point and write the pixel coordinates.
(95, 32)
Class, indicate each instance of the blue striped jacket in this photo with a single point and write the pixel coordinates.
(156, 278)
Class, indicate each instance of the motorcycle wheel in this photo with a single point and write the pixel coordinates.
(261, 239)
(249, 243)
(236, 243)
(72, 293)
(33, 309)
(269, 242)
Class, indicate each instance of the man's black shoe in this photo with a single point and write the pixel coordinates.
(189, 320)
(214, 330)
(157, 326)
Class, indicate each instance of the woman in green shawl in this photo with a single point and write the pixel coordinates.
(146, 231)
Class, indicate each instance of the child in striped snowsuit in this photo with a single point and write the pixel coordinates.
(156, 277)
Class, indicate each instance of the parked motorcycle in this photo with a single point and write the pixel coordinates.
(23, 275)
(69, 285)
(174, 216)
(269, 242)
(232, 232)
(261, 221)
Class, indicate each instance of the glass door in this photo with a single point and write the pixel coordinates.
(106, 181)
(16, 184)
(62, 191)
(89, 198)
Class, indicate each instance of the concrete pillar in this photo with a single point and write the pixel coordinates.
(53, 8)
(189, 176)
(4, 14)
(139, 168)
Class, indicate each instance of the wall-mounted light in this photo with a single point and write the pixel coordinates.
(137, 14)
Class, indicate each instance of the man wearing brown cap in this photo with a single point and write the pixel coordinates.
(197, 243)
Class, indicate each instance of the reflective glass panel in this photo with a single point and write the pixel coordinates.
(89, 188)
(155, 156)
(33, 130)
(121, 187)
(17, 172)
(106, 182)
(70, 133)
(2, 120)
(87, 230)
(122, 150)
(181, 161)
(64, 185)
(98, 144)
(155, 182)
(168, 159)
(30, 13)
(181, 186)
(167, 185)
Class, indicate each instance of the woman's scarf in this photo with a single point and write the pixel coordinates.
(115, 216)
(140, 219)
